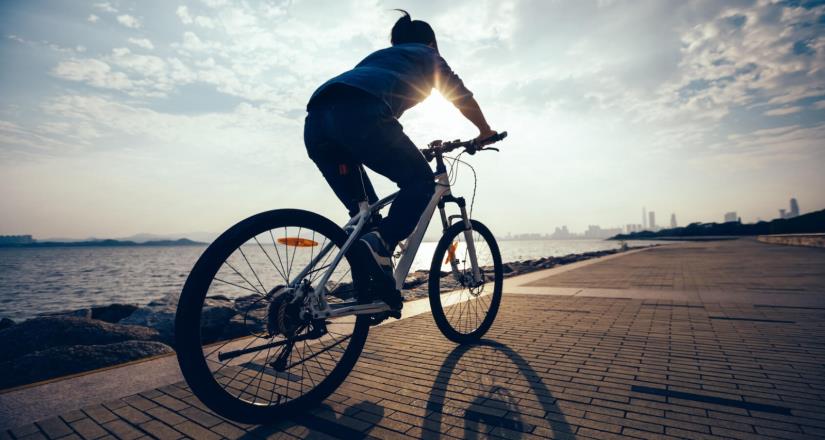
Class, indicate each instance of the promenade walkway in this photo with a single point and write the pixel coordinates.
(698, 341)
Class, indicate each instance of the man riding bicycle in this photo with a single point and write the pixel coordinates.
(353, 121)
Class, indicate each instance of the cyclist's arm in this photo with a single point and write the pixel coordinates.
(470, 109)
(453, 89)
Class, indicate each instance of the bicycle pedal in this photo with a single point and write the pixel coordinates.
(378, 318)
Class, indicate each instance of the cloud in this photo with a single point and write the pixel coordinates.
(183, 13)
(105, 7)
(204, 22)
(142, 42)
(92, 18)
(94, 72)
(783, 111)
(129, 21)
(772, 147)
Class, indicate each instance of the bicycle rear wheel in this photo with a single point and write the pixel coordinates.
(464, 308)
(243, 346)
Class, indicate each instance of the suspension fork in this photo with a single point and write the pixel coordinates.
(468, 233)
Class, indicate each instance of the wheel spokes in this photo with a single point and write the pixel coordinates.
(251, 359)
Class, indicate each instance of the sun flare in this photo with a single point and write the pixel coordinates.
(440, 117)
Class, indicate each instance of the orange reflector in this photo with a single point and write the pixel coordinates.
(297, 242)
(451, 253)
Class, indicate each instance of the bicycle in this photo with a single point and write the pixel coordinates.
(310, 328)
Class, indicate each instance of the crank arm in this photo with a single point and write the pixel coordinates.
(360, 309)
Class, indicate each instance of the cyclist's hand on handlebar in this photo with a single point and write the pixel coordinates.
(484, 135)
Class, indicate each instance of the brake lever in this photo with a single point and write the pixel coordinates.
(490, 148)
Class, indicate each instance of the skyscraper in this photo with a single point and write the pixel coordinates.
(652, 220)
(731, 217)
(644, 218)
(673, 220)
(794, 209)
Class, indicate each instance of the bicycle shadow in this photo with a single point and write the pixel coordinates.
(487, 407)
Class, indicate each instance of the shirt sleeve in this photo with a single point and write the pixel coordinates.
(449, 84)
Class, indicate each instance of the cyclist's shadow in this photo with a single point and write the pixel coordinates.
(492, 398)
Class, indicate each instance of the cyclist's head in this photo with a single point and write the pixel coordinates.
(407, 30)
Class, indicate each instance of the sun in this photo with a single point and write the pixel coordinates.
(439, 117)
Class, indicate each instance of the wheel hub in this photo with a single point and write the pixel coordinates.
(284, 316)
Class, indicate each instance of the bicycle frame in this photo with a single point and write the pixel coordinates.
(409, 248)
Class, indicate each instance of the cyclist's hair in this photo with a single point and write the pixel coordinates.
(407, 30)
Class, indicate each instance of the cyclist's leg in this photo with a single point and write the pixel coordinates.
(345, 176)
(392, 154)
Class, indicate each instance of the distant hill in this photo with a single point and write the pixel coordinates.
(106, 243)
(808, 223)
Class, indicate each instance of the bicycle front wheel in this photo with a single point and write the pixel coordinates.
(245, 345)
(465, 304)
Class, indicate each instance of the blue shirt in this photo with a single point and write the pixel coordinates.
(402, 76)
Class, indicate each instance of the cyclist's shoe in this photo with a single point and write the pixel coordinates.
(375, 251)
(394, 299)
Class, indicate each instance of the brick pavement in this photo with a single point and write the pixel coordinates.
(551, 366)
(715, 266)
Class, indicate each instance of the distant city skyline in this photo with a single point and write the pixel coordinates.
(562, 232)
(124, 117)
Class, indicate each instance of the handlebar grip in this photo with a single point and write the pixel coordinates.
(494, 138)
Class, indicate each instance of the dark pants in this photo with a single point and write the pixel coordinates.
(350, 128)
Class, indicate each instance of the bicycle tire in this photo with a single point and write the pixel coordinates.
(437, 299)
(188, 343)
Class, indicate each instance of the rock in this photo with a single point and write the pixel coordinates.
(158, 314)
(248, 302)
(160, 319)
(79, 313)
(341, 290)
(6, 323)
(245, 324)
(215, 315)
(416, 278)
(60, 361)
(507, 268)
(43, 333)
(113, 313)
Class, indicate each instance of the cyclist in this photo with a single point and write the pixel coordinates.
(353, 121)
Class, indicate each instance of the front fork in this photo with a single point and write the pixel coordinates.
(468, 238)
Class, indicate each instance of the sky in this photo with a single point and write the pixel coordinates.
(125, 117)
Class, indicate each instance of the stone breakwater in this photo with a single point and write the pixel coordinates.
(87, 339)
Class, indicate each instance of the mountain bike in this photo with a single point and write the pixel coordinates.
(276, 311)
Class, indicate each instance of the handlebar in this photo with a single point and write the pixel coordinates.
(438, 147)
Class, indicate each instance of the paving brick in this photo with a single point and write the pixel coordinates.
(228, 430)
(170, 402)
(165, 415)
(201, 417)
(139, 402)
(88, 429)
(22, 431)
(132, 415)
(54, 427)
(71, 416)
(160, 430)
(192, 429)
(123, 430)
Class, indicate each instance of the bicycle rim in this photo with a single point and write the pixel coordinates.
(464, 308)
